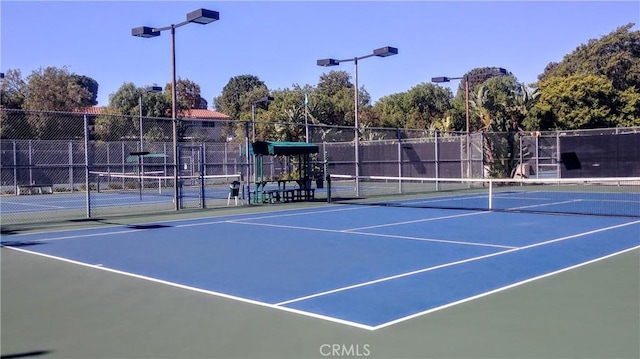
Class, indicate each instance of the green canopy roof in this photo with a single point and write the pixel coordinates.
(134, 158)
(282, 148)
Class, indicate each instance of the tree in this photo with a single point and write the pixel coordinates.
(54, 89)
(501, 104)
(334, 99)
(419, 108)
(576, 102)
(615, 56)
(121, 119)
(13, 90)
(596, 85)
(234, 99)
(188, 94)
(13, 125)
(333, 82)
(91, 85)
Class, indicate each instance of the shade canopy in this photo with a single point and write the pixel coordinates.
(135, 156)
(270, 148)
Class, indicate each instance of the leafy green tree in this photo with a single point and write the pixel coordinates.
(629, 108)
(188, 94)
(13, 124)
(333, 82)
(334, 98)
(615, 56)
(596, 85)
(91, 85)
(393, 110)
(499, 106)
(12, 90)
(576, 102)
(121, 119)
(419, 108)
(237, 96)
(54, 89)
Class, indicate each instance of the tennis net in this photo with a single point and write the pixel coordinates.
(156, 183)
(589, 196)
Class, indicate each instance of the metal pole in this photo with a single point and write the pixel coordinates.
(466, 101)
(140, 160)
(86, 166)
(248, 180)
(306, 120)
(357, 128)
(140, 105)
(399, 159)
(140, 174)
(253, 122)
(174, 117)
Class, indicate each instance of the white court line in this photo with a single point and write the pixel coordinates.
(166, 221)
(454, 263)
(370, 234)
(465, 243)
(34, 205)
(399, 320)
(416, 221)
(345, 208)
(545, 204)
(199, 290)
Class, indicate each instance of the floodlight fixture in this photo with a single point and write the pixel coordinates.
(440, 79)
(144, 31)
(203, 16)
(153, 89)
(385, 51)
(327, 62)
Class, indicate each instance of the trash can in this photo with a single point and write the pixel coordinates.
(234, 191)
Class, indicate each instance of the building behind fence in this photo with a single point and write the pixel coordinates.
(65, 150)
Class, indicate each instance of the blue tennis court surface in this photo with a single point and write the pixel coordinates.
(364, 266)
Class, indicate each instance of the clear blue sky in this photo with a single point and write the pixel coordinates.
(280, 41)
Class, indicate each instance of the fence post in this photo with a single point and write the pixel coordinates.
(558, 151)
(86, 166)
(30, 163)
(521, 159)
(437, 158)
(123, 166)
(462, 161)
(70, 149)
(399, 136)
(15, 168)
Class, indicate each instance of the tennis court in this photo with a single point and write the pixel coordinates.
(371, 268)
(120, 193)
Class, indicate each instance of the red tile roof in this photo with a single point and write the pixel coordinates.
(201, 114)
(95, 110)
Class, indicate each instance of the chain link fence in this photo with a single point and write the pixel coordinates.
(88, 161)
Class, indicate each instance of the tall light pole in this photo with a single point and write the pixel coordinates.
(381, 52)
(200, 16)
(497, 71)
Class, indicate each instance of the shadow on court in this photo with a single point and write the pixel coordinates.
(26, 354)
